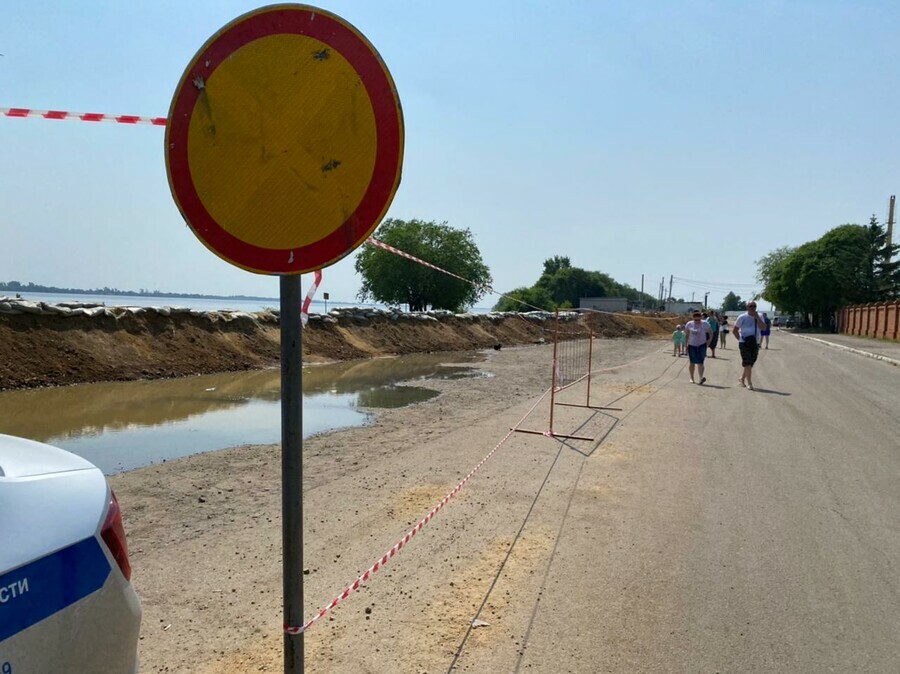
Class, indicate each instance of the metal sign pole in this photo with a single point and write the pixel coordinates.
(206, 171)
(292, 469)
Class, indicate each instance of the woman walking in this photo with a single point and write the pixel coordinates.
(699, 335)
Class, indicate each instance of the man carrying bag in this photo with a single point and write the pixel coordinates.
(747, 328)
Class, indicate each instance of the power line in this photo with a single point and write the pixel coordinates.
(715, 285)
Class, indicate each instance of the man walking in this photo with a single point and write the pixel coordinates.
(747, 329)
(714, 326)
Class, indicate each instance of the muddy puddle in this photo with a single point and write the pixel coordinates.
(125, 425)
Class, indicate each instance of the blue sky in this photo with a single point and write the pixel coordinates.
(654, 138)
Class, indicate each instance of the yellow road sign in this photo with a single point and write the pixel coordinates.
(285, 140)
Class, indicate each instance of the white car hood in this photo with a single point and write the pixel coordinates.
(49, 499)
(25, 458)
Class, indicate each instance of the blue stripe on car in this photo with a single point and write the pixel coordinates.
(48, 585)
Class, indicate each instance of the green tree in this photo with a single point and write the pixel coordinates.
(569, 284)
(555, 264)
(850, 264)
(810, 280)
(885, 270)
(732, 302)
(849, 253)
(561, 286)
(822, 284)
(769, 269)
(526, 299)
(391, 279)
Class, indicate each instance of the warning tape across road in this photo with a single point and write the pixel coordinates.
(83, 116)
(162, 121)
(398, 546)
(381, 244)
(487, 288)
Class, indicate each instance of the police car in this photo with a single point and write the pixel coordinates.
(66, 599)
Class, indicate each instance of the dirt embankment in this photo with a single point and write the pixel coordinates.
(119, 344)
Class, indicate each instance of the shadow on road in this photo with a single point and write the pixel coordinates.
(756, 389)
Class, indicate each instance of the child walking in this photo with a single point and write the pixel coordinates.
(678, 340)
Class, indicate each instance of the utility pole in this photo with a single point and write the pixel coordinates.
(705, 297)
(642, 293)
(671, 276)
(890, 226)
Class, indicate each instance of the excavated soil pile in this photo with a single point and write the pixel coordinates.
(46, 348)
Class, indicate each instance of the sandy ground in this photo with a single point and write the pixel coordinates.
(205, 532)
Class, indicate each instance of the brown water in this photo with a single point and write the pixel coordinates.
(124, 425)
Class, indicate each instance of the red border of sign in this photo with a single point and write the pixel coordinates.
(353, 46)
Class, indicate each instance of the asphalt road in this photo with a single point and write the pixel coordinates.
(718, 529)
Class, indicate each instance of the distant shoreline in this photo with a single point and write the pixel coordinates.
(33, 289)
(30, 288)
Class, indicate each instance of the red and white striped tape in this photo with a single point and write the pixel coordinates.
(83, 116)
(162, 121)
(304, 310)
(381, 244)
(398, 546)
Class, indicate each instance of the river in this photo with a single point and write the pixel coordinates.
(318, 306)
(199, 303)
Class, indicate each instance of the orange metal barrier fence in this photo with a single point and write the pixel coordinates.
(573, 357)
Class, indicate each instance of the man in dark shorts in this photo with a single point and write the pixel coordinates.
(747, 329)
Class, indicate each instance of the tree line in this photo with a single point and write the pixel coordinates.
(393, 280)
(850, 264)
(561, 286)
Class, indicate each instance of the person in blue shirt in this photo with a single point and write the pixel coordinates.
(764, 335)
(713, 321)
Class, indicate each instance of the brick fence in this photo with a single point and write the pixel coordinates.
(880, 319)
